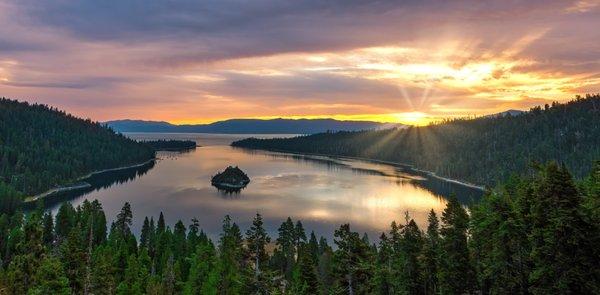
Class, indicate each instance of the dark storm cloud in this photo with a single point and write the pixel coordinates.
(213, 30)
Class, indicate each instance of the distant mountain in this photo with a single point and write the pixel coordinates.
(248, 126)
(511, 113)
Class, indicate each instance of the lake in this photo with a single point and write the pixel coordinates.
(323, 192)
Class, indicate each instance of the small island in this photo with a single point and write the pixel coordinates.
(232, 179)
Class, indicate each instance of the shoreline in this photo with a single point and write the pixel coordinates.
(80, 184)
(180, 149)
(395, 164)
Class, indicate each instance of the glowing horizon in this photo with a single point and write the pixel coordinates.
(410, 118)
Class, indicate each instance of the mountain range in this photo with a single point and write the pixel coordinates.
(249, 126)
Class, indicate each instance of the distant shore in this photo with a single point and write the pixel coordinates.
(80, 184)
(178, 149)
(391, 163)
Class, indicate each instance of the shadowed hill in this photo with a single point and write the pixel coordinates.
(483, 150)
(248, 126)
(42, 147)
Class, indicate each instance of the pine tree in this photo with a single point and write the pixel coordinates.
(160, 226)
(145, 234)
(203, 261)
(230, 255)
(286, 246)
(123, 220)
(383, 270)
(99, 224)
(456, 274)
(103, 280)
(299, 236)
(73, 259)
(256, 240)
(179, 242)
(563, 255)
(352, 260)
(50, 278)
(48, 230)
(65, 220)
(313, 246)
(499, 246)
(411, 245)
(325, 265)
(431, 253)
(304, 276)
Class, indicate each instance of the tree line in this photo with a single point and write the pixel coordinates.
(42, 147)
(170, 144)
(534, 234)
(483, 150)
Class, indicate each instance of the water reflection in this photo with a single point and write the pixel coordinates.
(322, 192)
(98, 182)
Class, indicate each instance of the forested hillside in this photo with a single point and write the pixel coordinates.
(534, 235)
(249, 126)
(42, 147)
(482, 150)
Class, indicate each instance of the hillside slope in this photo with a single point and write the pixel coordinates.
(482, 151)
(246, 126)
(42, 147)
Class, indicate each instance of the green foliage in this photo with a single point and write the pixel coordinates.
(483, 150)
(256, 241)
(455, 274)
(50, 278)
(10, 199)
(431, 254)
(561, 249)
(532, 235)
(42, 147)
(353, 261)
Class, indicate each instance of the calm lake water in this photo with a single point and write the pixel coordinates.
(323, 192)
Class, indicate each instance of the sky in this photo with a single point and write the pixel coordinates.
(410, 61)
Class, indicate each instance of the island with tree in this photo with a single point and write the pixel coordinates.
(232, 178)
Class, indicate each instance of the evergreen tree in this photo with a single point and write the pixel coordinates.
(410, 274)
(145, 234)
(299, 236)
(48, 230)
(383, 270)
(313, 246)
(103, 279)
(286, 244)
(65, 220)
(230, 256)
(499, 246)
(562, 253)
(160, 226)
(202, 262)
(73, 259)
(50, 278)
(456, 273)
(304, 276)
(256, 240)
(352, 262)
(123, 220)
(431, 253)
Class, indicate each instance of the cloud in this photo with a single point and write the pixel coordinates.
(182, 60)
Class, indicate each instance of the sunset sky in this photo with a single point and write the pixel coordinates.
(407, 61)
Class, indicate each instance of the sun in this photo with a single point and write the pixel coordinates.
(413, 118)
